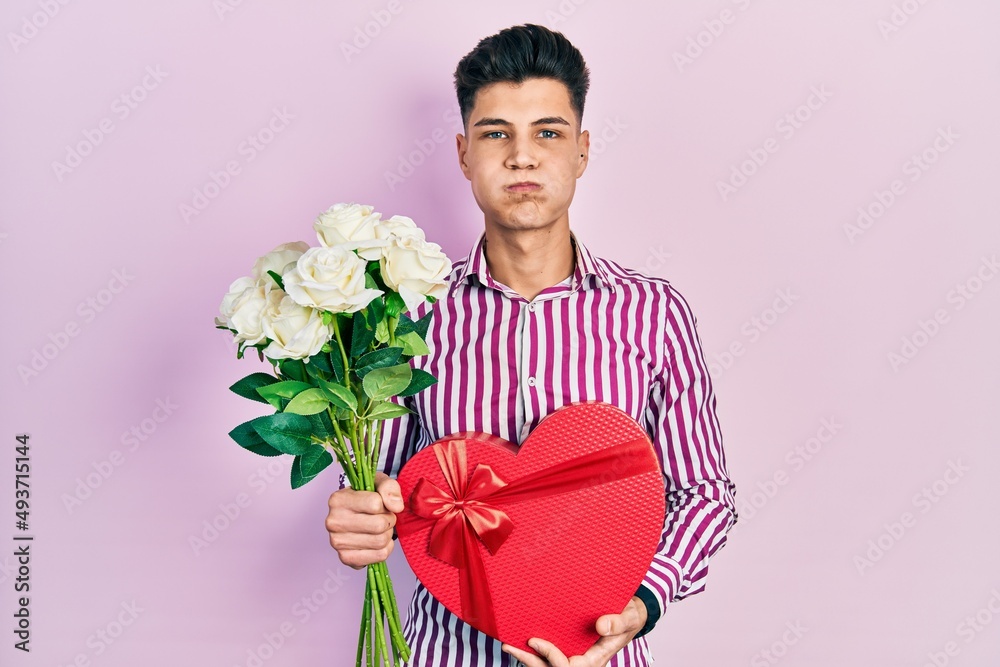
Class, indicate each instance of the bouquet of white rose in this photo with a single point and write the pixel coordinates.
(332, 322)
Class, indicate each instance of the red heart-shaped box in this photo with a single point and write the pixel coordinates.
(572, 519)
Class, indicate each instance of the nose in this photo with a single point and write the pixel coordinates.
(522, 153)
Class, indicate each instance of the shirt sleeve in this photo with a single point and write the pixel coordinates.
(700, 496)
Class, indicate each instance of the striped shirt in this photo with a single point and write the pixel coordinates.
(606, 333)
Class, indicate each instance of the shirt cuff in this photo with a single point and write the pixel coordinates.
(652, 610)
(662, 581)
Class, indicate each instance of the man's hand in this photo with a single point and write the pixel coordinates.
(361, 522)
(616, 632)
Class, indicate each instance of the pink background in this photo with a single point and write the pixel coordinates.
(649, 200)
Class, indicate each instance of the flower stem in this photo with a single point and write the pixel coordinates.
(377, 440)
(380, 648)
(343, 352)
(366, 616)
(367, 479)
(382, 575)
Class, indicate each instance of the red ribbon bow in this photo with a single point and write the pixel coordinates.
(468, 510)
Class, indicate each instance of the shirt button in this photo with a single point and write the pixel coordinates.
(531, 382)
(531, 306)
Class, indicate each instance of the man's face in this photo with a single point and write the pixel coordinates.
(523, 132)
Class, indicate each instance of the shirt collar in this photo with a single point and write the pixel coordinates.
(586, 265)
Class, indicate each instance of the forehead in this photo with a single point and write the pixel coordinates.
(530, 99)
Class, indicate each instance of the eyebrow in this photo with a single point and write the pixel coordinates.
(548, 120)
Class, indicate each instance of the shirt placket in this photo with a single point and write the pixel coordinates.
(530, 379)
(526, 381)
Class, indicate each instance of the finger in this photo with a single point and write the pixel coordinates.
(346, 521)
(359, 558)
(612, 624)
(363, 541)
(602, 652)
(388, 488)
(366, 502)
(528, 659)
(553, 656)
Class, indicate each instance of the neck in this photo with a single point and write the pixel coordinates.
(528, 261)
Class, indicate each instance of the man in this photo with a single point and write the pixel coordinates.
(533, 321)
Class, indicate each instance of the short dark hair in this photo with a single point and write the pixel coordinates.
(518, 53)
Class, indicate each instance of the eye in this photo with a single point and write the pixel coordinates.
(487, 135)
(552, 132)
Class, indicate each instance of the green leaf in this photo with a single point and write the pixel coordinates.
(387, 411)
(314, 461)
(321, 425)
(337, 365)
(309, 402)
(375, 311)
(420, 326)
(361, 336)
(319, 365)
(387, 356)
(293, 369)
(273, 393)
(339, 395)
(382, 383)
(420, 381)
(394, 304)
(382, 331)
(247, 387)
(413, 344)
(404, 325)
(247, 438)
(306, 466)
(277, 279)
(286, 432)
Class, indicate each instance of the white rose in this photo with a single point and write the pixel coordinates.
(399, 226)
(246, 311)
(278, 260)
(296, 332)
(226, 307)
(348, 225)
(330, 279)
(415, 268)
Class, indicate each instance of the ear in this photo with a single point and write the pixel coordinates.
(583, 146)
(462, 147)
